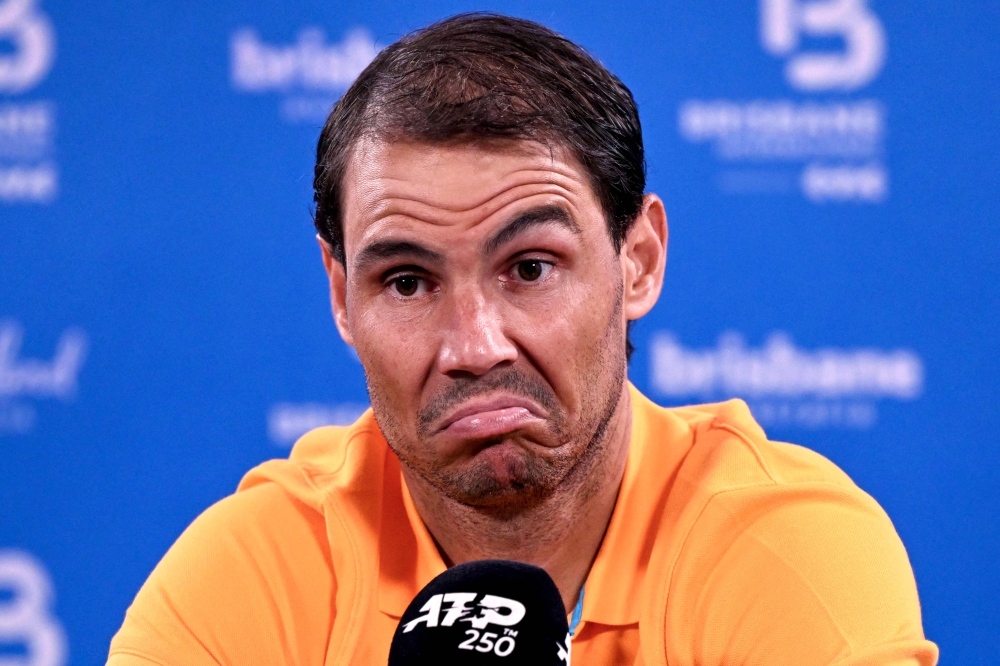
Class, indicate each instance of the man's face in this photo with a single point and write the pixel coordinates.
(483, 295)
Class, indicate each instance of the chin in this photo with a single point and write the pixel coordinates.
(504, 478)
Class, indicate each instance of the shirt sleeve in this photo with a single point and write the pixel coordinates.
(797, 574)
(249, 582)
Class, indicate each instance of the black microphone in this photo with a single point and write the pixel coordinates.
(489, 612)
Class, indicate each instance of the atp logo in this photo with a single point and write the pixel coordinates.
(31, 33)
(490, 611)
(783, 23)
(25, 617)
(500, 611)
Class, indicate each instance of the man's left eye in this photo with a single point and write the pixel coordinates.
(531, 270)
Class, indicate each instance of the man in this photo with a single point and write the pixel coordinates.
(482, 219)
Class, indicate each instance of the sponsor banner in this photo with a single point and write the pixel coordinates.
(826, 165)
(784, 384)
(30, 634)
(309, 74)
(286, 422)
(28, 169)
(24, 381)
(826, 151)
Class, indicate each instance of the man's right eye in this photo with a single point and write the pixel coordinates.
(406, 285)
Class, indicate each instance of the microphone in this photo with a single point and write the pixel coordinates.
(484, 613)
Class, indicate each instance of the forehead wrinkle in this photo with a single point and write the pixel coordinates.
(551, 214)
(383, 190)
(399, 208)
(376, 166)
(425, 193)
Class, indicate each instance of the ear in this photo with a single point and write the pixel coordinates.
(338, 290)
(644, 257)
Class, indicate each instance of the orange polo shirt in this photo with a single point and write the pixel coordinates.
(723, 548)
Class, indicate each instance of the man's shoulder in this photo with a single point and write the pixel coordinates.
(266, 556)
(325, 460)
(730, 472)
(769, 543)
(725, 448)
(249, 578)
(725, 478)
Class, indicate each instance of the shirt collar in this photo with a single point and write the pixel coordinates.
(408, 556)
(615, 579)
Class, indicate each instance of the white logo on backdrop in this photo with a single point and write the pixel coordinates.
(26, 616)
(783, 23)
(34, 42)
(784, 384)
(286, 422)
(22, 378)
(310, 72)
(829, 151)
(27, 173)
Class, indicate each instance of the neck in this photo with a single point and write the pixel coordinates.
(561, 535)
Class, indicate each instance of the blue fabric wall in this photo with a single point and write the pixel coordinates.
(829, 168)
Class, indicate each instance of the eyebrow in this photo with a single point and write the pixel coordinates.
(531, 218)
(389, 249)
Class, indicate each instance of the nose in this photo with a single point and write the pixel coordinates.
(473, 340)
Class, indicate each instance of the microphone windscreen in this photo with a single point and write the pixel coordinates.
(489, 612)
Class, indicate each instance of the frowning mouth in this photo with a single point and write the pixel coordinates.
(491, 416)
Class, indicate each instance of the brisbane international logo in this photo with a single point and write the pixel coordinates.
(24, 381)
(28, 173)
(27, 625)
(785, 385)
(824, 140)
(784, 23)
(309, 74)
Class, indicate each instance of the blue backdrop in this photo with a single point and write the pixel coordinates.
(829, 168)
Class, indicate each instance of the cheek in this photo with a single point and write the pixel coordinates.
(395, 353)
(566, 334)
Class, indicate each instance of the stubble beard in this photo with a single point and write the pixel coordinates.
(530, 479)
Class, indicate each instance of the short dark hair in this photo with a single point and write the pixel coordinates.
(483, 77)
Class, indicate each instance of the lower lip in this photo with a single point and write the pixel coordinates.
(491, 423)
